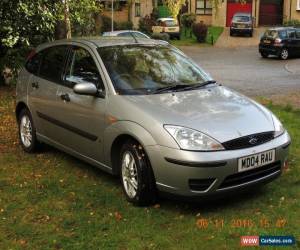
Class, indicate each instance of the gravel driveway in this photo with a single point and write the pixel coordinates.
(244, 70)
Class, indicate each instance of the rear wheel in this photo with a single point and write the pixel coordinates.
(27, 132)
(136, 174)
(284, 54)
(264, 54)
(231, 33)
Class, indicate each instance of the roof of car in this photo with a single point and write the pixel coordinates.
(116, 32)
(99, 41)
(242, 14)
(281, 28)
(166, 19)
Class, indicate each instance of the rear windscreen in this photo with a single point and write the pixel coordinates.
(242, 19)
(170, 23)
(275, 34)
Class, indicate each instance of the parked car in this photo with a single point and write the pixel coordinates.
(167, 25)
(126, 33)
(150, 115)
(282, 42)
(242, 23)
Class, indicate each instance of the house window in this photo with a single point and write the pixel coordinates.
(204, 7)
(137, 8)
(298, 5)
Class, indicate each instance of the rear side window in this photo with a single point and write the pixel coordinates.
(53, 63)
(291, 33)
(33, 64)
(298, 34)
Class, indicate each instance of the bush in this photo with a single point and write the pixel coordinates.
(293, 22)
(161, 36)
(106, 25)
(187, 20)
(124, 25)
(200, 31)
(145, 24)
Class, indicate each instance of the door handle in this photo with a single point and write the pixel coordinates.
(65, 97)
(35, 85)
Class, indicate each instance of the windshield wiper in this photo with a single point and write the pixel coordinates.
(169, 88)
(199, 85)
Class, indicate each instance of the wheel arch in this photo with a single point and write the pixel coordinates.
(20, 106)
(118, 134)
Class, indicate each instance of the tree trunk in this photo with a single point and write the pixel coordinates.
(98, 23)
(67, 19)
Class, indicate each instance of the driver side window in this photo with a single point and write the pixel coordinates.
(82, 68)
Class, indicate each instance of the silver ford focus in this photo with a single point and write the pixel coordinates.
(143, 110)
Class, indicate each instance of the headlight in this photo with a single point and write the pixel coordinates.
(278, 128)
(190, 139)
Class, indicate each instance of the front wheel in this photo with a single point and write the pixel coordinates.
(27, 132)
(284, 54)
(136, 175)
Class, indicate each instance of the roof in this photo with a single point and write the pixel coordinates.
(166, 19)
(100, 41)
(242, 14)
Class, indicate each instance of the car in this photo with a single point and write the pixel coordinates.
(126, 33)
(242, 23)
(144, 111)
(167, 25)
(282, 42)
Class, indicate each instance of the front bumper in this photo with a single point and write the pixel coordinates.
(174, 176)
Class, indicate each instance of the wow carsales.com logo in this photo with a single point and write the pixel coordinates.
(267, 240)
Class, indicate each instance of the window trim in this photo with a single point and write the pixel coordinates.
(204, 8)
(60, 80)
(68, 60)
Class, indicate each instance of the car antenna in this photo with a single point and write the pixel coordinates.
(136, 41)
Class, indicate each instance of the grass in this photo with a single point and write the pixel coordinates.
(50, 200)
(189, 40)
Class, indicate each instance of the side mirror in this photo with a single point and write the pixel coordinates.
(85, 89)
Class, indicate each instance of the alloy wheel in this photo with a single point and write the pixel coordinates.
(26, 131)
(129, 174)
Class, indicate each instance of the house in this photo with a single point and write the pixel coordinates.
(265, 12)
(128, 10)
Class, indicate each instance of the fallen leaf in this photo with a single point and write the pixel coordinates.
(118, 216)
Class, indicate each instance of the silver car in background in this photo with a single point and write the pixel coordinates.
(143, 110)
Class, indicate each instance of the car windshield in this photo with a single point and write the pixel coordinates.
(241, 19)
(144, 69)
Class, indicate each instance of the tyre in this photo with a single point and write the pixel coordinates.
(27, 132)
(231, 33)
(251, 34)
(137, 177)
(284, 54)
(264, 54)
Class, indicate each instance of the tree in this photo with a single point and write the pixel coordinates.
(174, 6)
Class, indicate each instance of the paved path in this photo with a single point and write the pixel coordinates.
(225, 40)
(243, 69)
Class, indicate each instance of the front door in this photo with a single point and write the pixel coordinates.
(81, 118)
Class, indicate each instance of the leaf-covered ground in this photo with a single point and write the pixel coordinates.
(50, 200)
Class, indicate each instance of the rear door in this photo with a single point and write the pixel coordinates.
(292, 42)
(43, 86)
(298, 41)
(81, 118)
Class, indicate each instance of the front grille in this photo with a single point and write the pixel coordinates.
(200, 184)
(250, 175)
(249, 141)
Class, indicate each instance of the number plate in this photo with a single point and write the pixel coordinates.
(241, 26)
(256, 160)
(267, 41)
